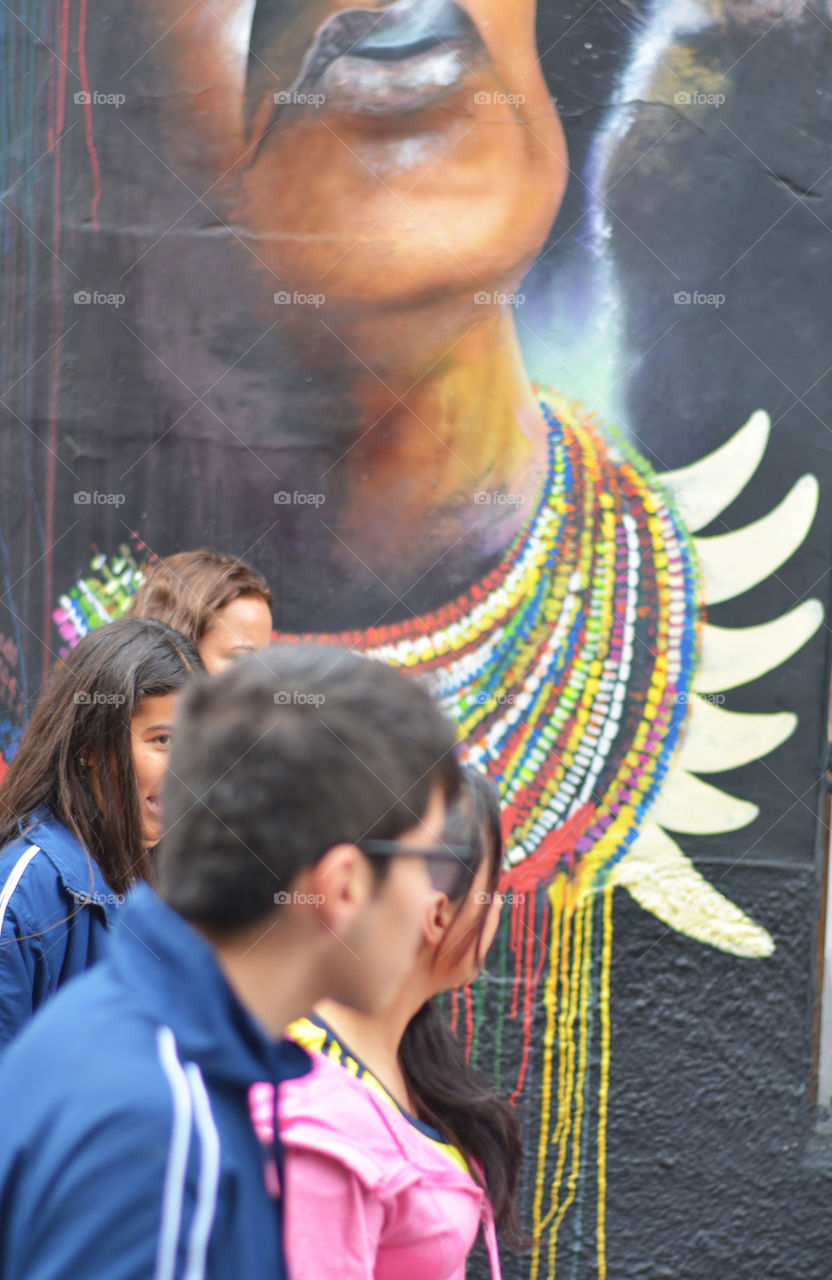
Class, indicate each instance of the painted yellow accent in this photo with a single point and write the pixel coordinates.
(663, 880)
(579, 1009)
(717, 740)
(734, 656)
(568, 997)
(604, 1083)
(734, 562)
(558, 946)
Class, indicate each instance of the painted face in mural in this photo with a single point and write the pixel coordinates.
(362, 184)
(412, 153)
(370, 185)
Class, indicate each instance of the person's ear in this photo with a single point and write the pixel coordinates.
(340, 885)
(438, 916)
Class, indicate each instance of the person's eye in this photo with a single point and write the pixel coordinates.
(163, 739)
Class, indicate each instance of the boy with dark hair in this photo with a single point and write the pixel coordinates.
(128, 1150)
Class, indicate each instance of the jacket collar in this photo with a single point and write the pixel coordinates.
(175, 976)
(80, 874)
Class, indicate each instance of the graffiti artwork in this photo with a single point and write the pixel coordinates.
(396, 301)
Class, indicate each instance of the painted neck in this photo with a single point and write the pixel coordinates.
(442, 469)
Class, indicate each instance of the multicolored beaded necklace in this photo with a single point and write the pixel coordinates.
(569, 666)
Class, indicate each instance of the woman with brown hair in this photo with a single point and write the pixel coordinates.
(79, 806)
(222, 605)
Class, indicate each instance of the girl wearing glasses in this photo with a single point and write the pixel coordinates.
(395, 1147)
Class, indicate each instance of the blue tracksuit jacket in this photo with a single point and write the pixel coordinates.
(128, 1152)
(56, 910)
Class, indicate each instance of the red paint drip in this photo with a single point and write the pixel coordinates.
(50, 110)
(541, 865)
(85, 86)
(528, 988)
(56, 349)
(531, 991)
(544, 946)
(64, 54)
(514, 943)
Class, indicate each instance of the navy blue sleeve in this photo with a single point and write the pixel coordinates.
(130, 1199)
(25, 973)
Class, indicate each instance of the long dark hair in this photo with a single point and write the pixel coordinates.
(83, 714)
(448, 1092)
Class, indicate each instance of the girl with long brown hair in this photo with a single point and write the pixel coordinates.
(79, 805)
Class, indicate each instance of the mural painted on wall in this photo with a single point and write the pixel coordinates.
(358, 293)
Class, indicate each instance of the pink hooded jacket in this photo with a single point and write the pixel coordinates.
(369, 1196)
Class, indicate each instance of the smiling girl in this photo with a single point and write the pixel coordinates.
(79, 806)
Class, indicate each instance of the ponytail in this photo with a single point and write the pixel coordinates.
(457, 1100)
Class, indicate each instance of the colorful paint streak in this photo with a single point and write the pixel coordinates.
(101, 596)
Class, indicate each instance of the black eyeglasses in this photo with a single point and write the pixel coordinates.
(445, 861)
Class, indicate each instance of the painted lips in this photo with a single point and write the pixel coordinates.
(402, 58)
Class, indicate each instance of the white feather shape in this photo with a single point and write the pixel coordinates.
(704, 489)
(736, 656)
(663, 881)
(734, 562)
(698, 809)
(717, 740)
